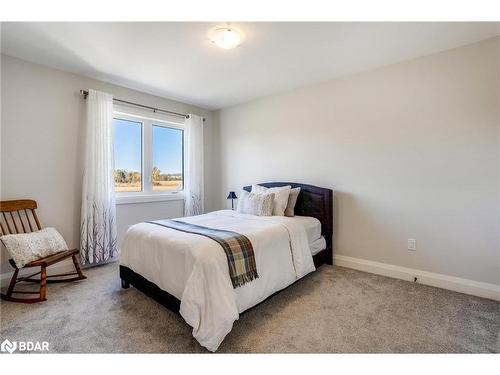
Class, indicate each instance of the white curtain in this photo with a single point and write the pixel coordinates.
(98, 241)
(193, 172)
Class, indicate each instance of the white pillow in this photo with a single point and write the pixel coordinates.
(292, 201)
(26, 247)
(255, 204)
(280, 197)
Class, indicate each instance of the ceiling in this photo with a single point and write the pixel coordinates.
(176, 61)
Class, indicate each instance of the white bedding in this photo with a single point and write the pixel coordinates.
(194, 268)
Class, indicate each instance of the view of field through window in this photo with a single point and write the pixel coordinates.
(127, 155)
(166, 157)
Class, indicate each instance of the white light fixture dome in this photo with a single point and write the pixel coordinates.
(226, 37)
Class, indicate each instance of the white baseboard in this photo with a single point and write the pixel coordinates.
(62, 267)
(457, 284)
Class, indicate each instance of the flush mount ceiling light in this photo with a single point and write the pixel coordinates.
(226, 37)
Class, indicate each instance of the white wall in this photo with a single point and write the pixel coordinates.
(42, 129)
(412, 151)
(128, 214)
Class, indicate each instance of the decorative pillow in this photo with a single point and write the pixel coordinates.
(280, 197)
(292, 200)
(255, 204)
(26, 247)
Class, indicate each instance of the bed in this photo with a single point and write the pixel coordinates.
(173, 266)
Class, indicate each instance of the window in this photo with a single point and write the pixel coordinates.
(148, 157)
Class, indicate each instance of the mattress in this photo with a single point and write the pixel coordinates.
(311, 225)
(318, 245)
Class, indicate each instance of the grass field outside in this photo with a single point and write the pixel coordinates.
(121, 187)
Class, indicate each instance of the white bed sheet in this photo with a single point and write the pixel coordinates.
(194, 268)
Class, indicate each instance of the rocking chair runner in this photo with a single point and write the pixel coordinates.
(15, 215)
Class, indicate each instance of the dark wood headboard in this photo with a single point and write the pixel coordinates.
(312, 201)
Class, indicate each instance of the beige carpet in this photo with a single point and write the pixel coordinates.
(334, 310)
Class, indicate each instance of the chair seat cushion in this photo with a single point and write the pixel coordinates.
(27, 247)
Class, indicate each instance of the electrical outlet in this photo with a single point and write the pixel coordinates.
(412, 244)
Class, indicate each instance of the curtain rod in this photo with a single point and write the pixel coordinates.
(85, 94)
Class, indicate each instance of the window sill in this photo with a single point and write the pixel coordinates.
(131, 199)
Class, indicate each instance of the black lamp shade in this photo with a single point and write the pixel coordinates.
(232, 195)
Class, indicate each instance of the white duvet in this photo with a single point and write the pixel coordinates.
(194, 269)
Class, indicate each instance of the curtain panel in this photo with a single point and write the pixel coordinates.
(98, 238)
(193, 158)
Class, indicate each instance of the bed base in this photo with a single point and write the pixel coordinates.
(129, 277)
(150, 289)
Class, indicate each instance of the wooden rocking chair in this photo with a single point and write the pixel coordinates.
(16, 216)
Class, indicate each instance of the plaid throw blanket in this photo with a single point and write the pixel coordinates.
(238, 249)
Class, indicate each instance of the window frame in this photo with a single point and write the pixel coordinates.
(147, 120)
